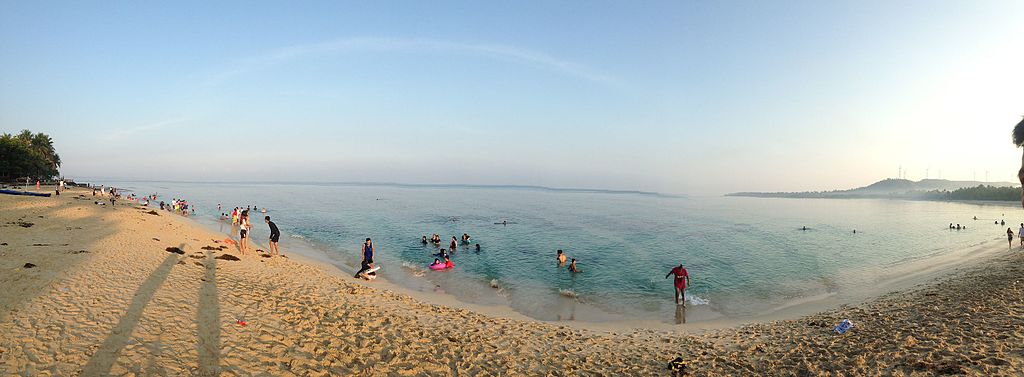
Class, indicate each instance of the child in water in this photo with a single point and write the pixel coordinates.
(572, 266)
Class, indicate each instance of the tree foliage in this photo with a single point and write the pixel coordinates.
(980, 192)
(28, 155)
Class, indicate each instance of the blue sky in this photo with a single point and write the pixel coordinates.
(676, 97)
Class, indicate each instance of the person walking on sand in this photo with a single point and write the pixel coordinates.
(1009, 236)
(367, 262)
(681, 281)
(1019, 232)
(243, 231)
(275, 235)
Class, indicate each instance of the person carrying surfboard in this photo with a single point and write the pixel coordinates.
(367, 262)
(682, 279)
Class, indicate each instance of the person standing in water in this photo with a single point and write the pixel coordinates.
(454, 244)
(561, 258)
(367, 262)
(1009, 236)
(681, 281)
(275, 235)
(572, 266)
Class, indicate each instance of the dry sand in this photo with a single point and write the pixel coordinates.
(106, 298)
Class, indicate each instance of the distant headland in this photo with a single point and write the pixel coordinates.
(925, 189)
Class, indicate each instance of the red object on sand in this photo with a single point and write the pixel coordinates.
(242, 323)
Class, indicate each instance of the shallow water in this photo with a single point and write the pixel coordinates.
(745, 255)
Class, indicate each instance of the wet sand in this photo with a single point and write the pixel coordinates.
(105, 297)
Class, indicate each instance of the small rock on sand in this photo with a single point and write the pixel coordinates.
(175, 250)
(227, 257)
(29, 265)
(152, 212)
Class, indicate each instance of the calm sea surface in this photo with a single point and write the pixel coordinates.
(746, 256)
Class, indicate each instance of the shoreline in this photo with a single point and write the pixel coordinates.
(904, 275)
(105, 297)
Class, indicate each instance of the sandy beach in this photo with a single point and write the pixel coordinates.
(104, 296)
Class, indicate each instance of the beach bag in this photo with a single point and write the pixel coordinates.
(843, 327)
(677, 365)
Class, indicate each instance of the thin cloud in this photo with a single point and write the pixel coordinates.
(496, 51)
(126, 132)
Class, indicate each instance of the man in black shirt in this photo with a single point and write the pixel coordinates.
(275, 234)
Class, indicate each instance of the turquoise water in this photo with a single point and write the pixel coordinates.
(745, 255)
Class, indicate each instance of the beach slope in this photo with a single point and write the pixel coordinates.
(105, 296)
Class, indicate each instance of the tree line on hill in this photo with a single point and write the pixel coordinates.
(28, 155)
(981, 192)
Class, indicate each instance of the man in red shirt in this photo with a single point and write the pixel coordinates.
(682, 279)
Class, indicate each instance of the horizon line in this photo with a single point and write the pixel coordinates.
(418, 185)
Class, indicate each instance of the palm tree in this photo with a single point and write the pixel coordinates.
(43, 144)
(28, 155)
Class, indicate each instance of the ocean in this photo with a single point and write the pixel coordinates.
(747, 257)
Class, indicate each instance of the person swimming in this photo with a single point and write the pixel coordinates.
(442, 254)
(436, 262)
(804, 228)
(424, 241)
(477, 247)
(465, 237)
(448, 263)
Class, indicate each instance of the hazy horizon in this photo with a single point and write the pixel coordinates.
(666, 97)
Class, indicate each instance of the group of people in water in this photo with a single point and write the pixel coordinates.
(1010, 232)
(443, 260)
(560, 256)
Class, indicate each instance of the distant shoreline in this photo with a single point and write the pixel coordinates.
(408, 185)
(847, 197)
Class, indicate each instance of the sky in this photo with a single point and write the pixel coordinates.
(680, 97)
